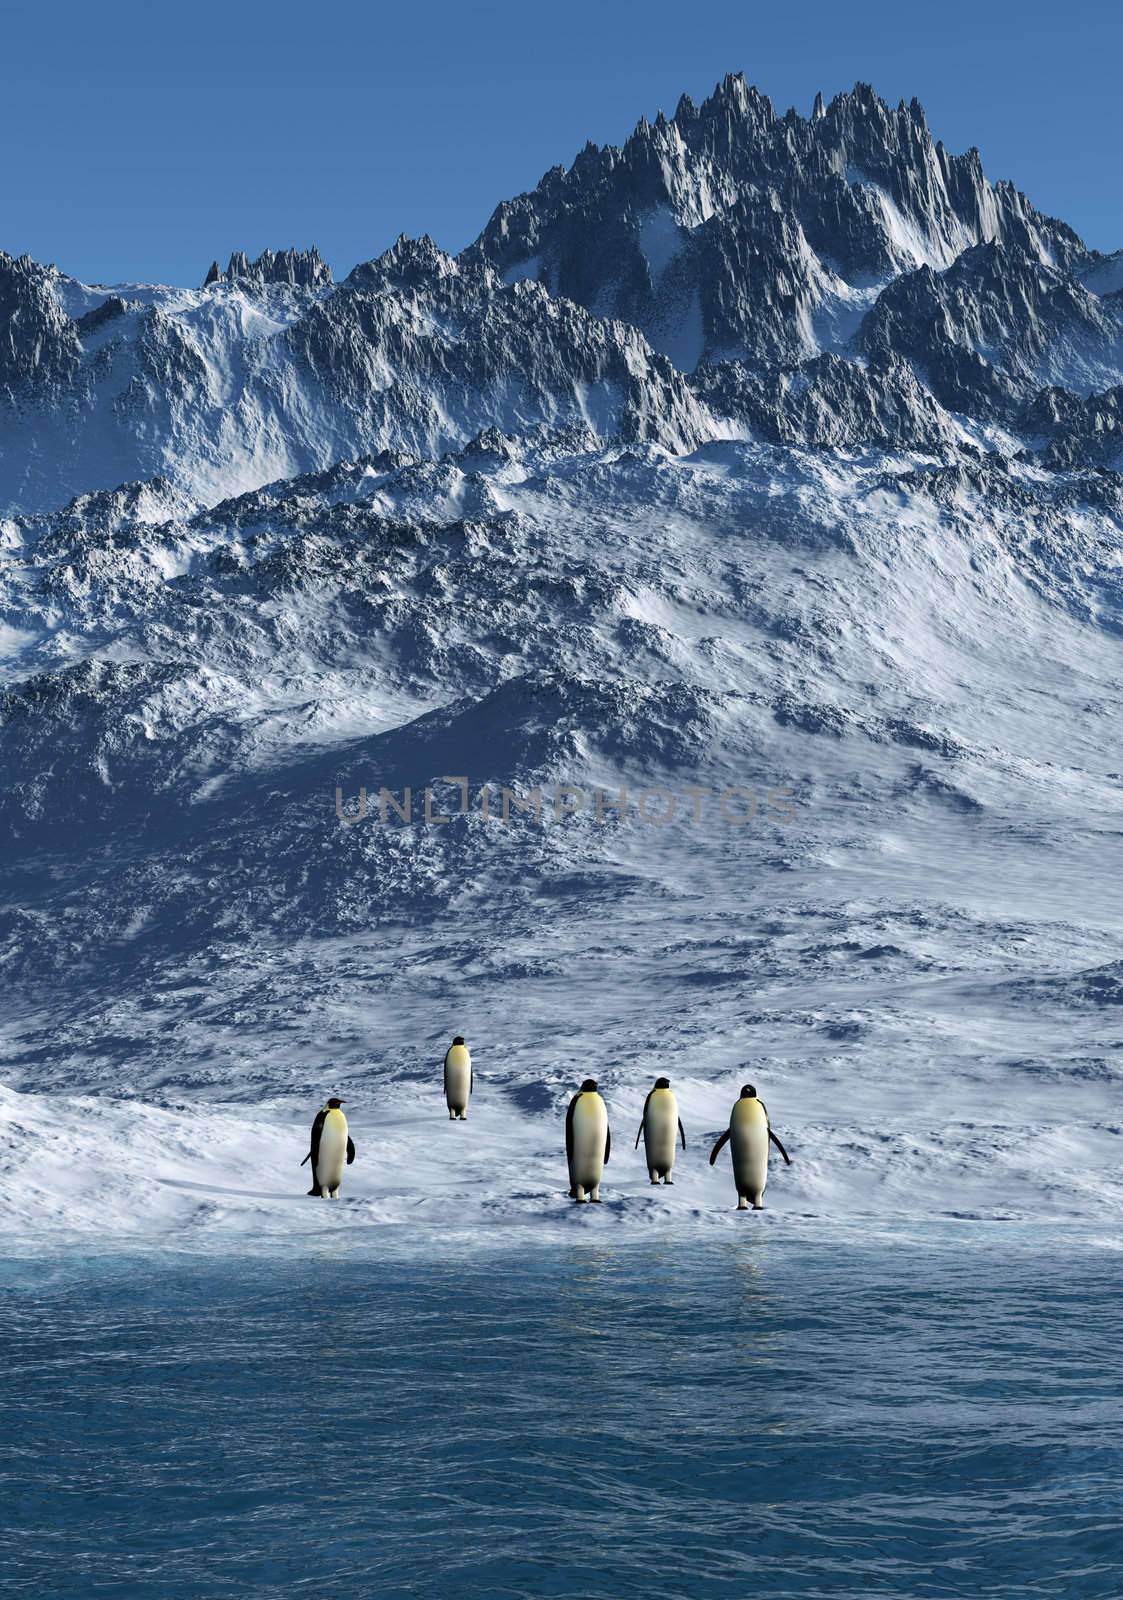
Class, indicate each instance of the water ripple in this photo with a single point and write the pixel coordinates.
(775, 1418)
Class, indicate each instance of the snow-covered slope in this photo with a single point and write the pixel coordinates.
(845, 627)
(903, 674)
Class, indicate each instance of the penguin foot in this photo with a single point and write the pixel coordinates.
(742, 1203)
(655, 1181)
(757, 1206)
(668, 1180)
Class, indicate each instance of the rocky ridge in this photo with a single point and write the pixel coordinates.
(833, 281)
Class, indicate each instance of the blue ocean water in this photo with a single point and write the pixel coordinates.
(758, 1415)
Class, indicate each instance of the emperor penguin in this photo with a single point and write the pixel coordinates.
(660, 1126)
(332, 1145)
(458, 1079)
(587, 1141)
(749, 1130)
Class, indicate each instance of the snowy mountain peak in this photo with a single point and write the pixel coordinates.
(833, 279)
(406, 264)
(661, 232)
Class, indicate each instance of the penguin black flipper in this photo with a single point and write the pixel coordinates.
(569, 1143)
(607, 1144)
(682, 1133)
(314, 1153)
(780, 1147)
(350, 1150)
(714, 1152)
(643, 1119)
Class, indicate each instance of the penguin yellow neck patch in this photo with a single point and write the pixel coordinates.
(746, 1109)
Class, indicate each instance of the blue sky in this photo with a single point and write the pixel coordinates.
(146, 137)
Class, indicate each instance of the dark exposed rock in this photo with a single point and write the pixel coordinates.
(39, 348)
(986, 332)
(1080, 432)
(829, 401)
(101, 316)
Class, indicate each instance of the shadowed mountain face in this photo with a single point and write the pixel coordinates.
(760, 479)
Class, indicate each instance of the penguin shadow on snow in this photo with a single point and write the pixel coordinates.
(608, 1205)
(239, 1194)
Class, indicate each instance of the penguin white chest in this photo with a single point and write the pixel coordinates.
(332, 1156)
(458, 1078)
(748, 1138)
(590, 1132)
(660, 1130)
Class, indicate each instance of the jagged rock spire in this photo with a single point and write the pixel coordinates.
(304, 269)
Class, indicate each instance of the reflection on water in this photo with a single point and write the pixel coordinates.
(758, 1415)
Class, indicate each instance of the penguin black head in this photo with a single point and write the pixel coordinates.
(748, 1092)
(459, 1039)
(589, 1086)
(334, 1105)
(662, 1083)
